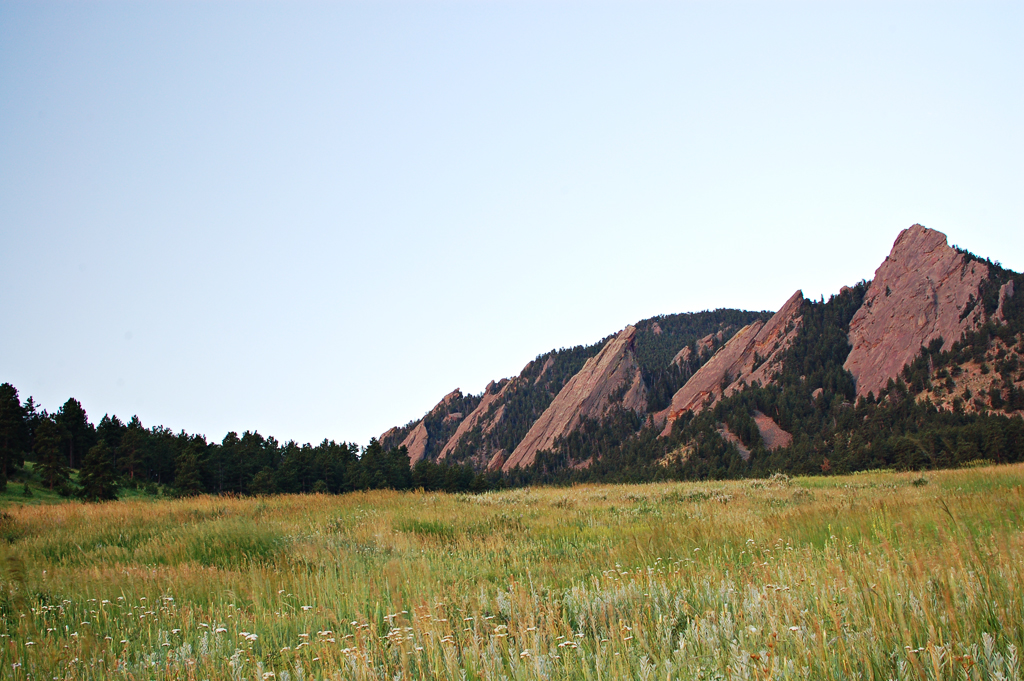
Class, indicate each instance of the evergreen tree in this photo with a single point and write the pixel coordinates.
(80, 434)
(47, 446)
(131, 450)
(12, 432)
(97, 478)
(110, 430)
(187, 473)
(263, 482)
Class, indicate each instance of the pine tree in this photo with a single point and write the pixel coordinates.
(131, 451)
(12, 432)
(46, 444)
(97, 478)
(80, 433)
(187, 475)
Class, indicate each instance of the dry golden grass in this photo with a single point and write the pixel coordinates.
(874, 576)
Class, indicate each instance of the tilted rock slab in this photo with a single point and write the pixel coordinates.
(418, 438)
(753, 354)
(416, 442)
(494, 393)
(588, 394)
(773, 436)
(919, 293)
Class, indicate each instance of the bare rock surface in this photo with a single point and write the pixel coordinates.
(550, 362)
(446, 401)
(753, 354)
(1005, 291)
(924, 290)
(483, 415)
(772, 435)
(588, 394)
(732, 438)
(416, 443)
(683, 356)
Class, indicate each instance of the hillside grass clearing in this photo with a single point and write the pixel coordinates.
(873, 576)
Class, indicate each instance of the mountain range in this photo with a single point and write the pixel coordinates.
(933, 344)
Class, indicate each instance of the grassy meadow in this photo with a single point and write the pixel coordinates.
(871, 576)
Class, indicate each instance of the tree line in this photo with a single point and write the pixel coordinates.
(113, 455)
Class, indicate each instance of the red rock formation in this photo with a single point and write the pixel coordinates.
(388, 433)
(417, 439)
(543, 370)
(1005, 291)
(753, 354)
(704, 345)
(494, 464)
(682, 357)
(442, 406)
(734, 439)
(493, 393)
(921, 292)
(772, 435)
(588, 394)
(416, 443)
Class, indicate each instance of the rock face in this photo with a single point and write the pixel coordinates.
(416, 442)
(753, 354)
(1005, 291)
(595, 389)
(417, 439)
(924, 290)
(772, 435)
(494, 393)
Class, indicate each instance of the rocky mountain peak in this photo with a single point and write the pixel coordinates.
(924, 290)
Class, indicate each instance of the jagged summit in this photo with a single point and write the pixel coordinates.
(924, 290)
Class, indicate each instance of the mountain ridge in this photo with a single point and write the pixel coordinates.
(661, 370)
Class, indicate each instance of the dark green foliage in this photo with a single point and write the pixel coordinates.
(14, 435)
(79, 434)
(263, 482)
(659, 339)
(97, 478)
(188, 468)
(431, 476)
(47, 447)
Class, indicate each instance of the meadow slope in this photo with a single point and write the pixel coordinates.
(872, 576)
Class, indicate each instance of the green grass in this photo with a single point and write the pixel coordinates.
(874, 576)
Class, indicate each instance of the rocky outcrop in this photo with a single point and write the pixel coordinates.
(550, 362)
(417, 439)
(609, 378)
(772, 435)
(924, 290)
(1005, 292)
(416, 443)
(753, 354)
(483, 415)
(442, 406)
(704, 347)
(731, 438)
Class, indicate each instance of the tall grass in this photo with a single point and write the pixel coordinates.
(873, 576)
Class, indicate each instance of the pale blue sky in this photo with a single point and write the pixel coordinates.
(315, 219)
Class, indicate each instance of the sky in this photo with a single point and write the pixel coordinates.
(315, 219)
